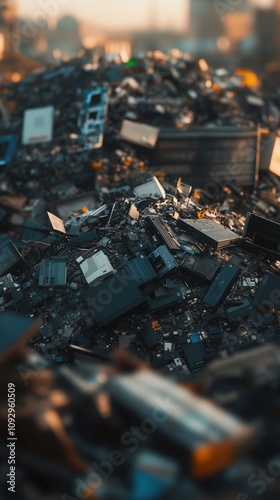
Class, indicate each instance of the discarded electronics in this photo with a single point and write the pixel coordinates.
(103, 255)
(162, 270)
(96, 268)
(139, 133)
(93, 114)
(95, 236)
(52, 273)
(146, 117)
(38, 125)
(200, 430)
(152, 188)
(7, 148)
(262, 234)
(207, 231)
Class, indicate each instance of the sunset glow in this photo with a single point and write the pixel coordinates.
(117, 15)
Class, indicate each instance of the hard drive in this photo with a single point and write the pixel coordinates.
(221, 286)
(205, 269)
(209, 232)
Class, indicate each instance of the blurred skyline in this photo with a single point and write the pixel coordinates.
(219, 30)
(118, 14)
(123, 14)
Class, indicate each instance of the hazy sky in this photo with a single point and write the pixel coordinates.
(120, 14)
(115, 13)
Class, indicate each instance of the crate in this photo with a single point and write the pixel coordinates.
(206, 155)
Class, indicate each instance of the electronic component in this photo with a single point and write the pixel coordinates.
(17, 294)
(221, 286)
(112, 299)
(93, 114)
(262, 234)
(33, 231)
(96, 268)
(215, 332)
(11, 260)
(39, 297)
(151, 189)
(46, 331)
(85, 240)
(207, 231)
(206, 269)
(7, 148)
(236, 313)
(57, 223)
(75, 204)
(15, 333)
(133, 212)
(268, 293)
(53, 272)
(38, 125)
(164, 233)
(162, 261)
(183, 189)
(165, 296)
(149, 338)
(140, 270)
(139, 133)
(55, 319)
(195, 355)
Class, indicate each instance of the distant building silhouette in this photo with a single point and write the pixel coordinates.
(204, 20)
(219, 24)
(66, 37)
(239, 23)
(8, 27)
(266, 33)
(277, 34)
(13, 65)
